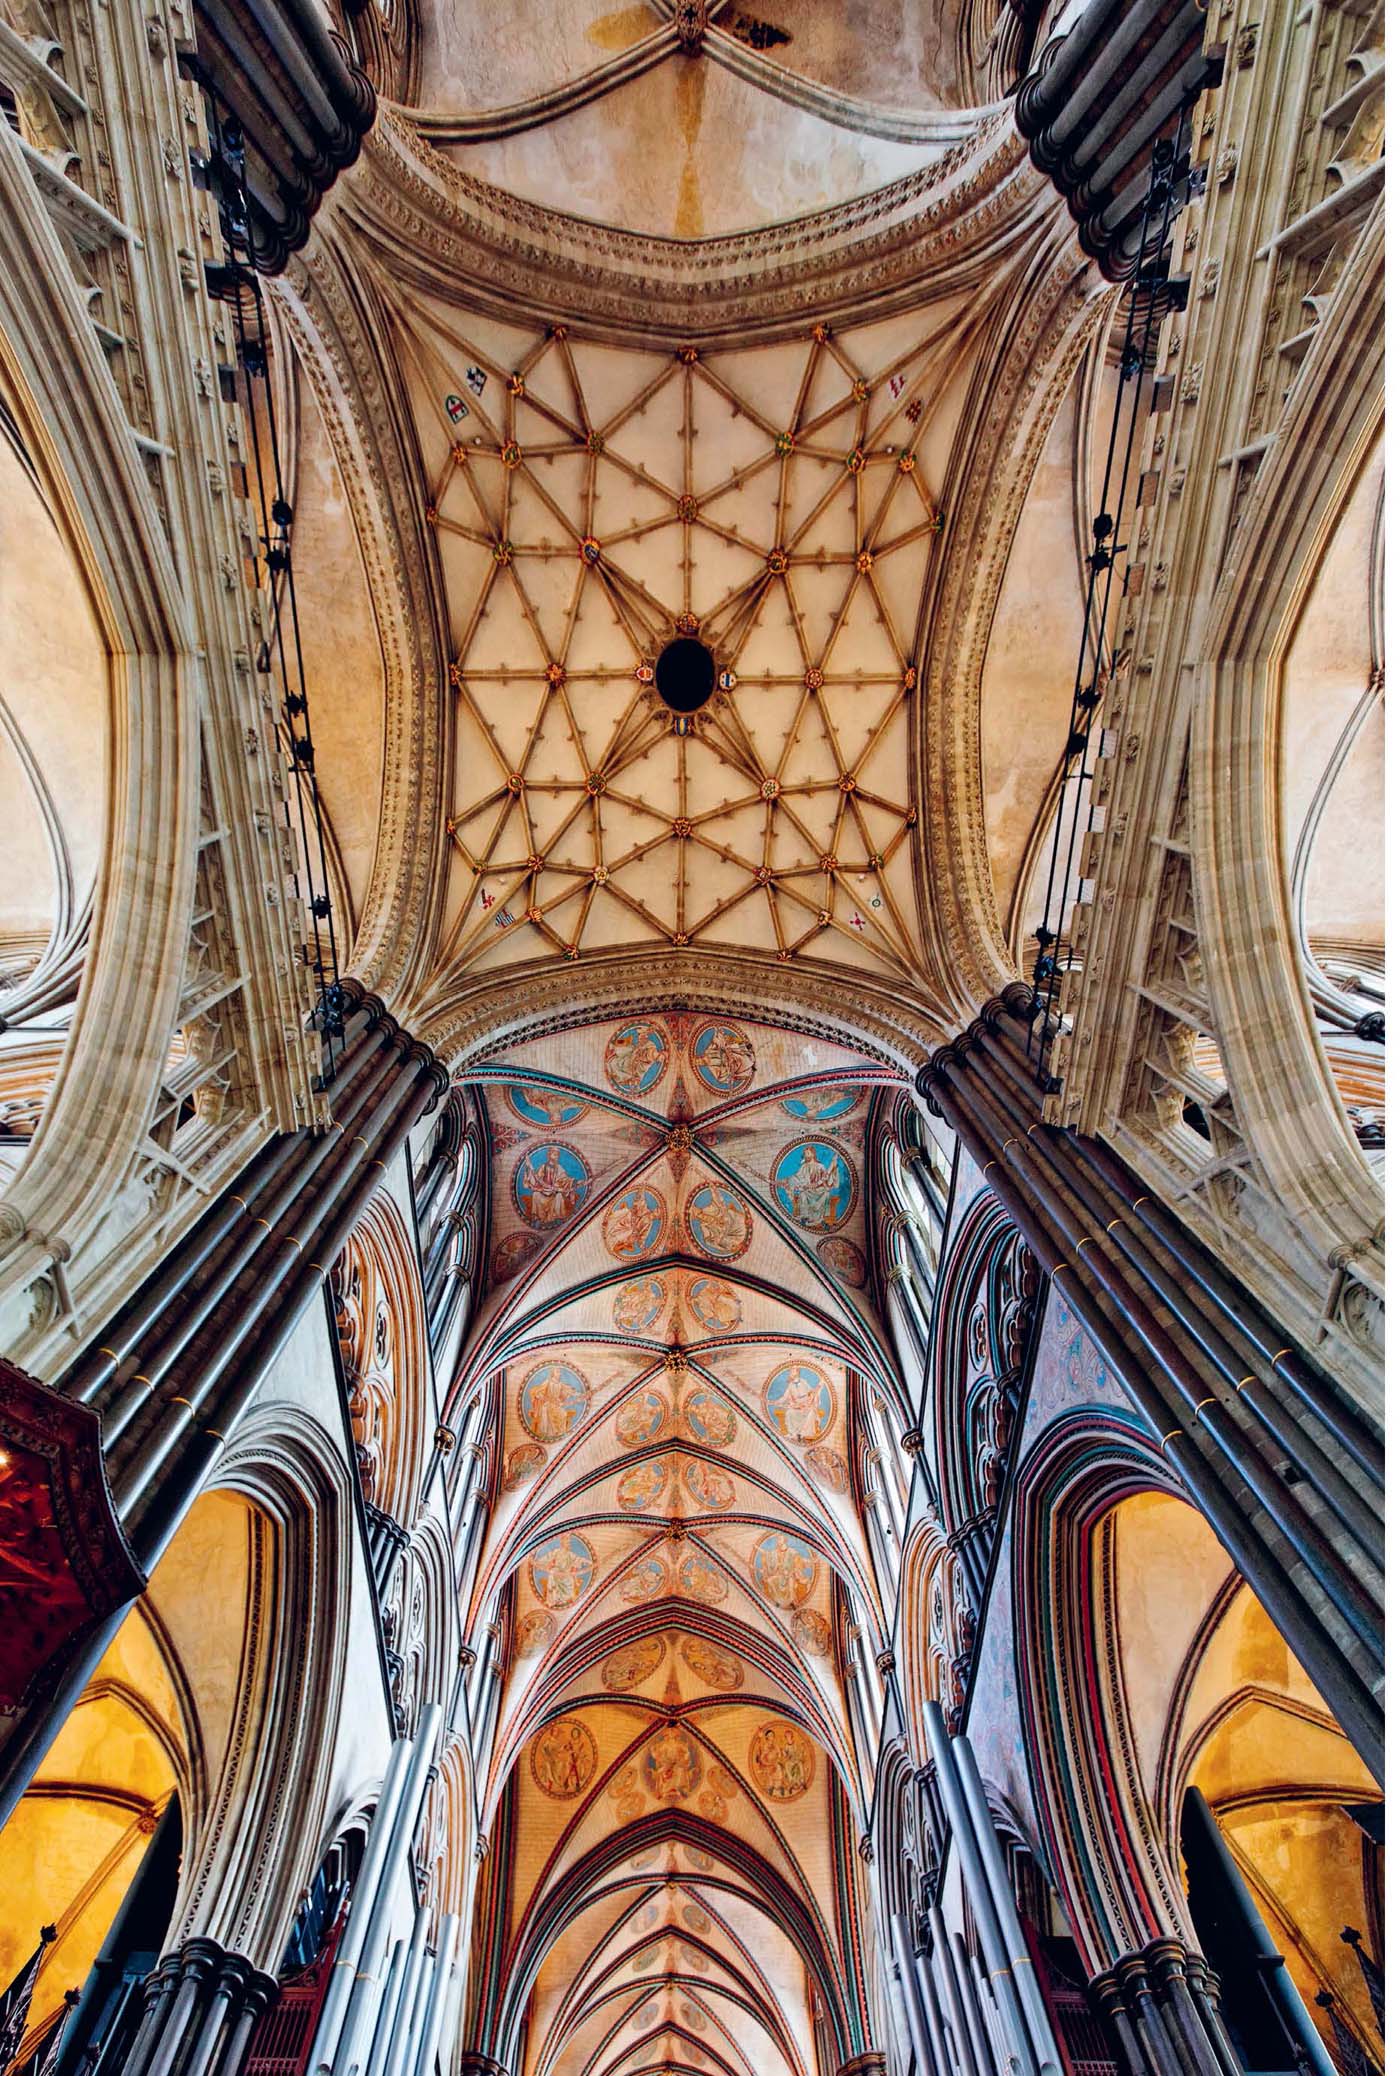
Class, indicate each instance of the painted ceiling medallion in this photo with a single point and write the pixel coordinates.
(551, 1182)
(709, 1418)
(636, 1058)
(784, 1569)
(638, 1304)
(718, 1222)
(564, 1758)
(672, 1765)
(814, 1183)
(641, 1487)
(782, 1761)
(717, 1668)
(552, 1401)
(799, 1402)
(714, 1304)
(632, 1664)
(640, 1419)
(634, 1225)
(562, 1571)
(710, 1488)
(723, 1057)
(547, 1109)
(844, 1259)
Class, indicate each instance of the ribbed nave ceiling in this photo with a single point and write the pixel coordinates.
(678, 1331)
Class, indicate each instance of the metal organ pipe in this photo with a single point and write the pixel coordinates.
(394, 1824)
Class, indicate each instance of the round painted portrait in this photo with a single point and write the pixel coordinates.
(844, 1259)
(637, 1305)
(811, 1632)
(813, 1182)
(512, 1254)
(548, 1109)
(828, 1466)
(633, 1225)
(522, 1465)
(799, 1403)
(784, 1569)
(782, 1761)
(552, 1401)
(699, 1859)
(635, 1058)
(693, 1916)
(708, 1417)
(534, 1632)
(710, 1488)
(561, 1571)
(641, 1487)
(640, 1418)
(716, 1667)
(645, 1918)
(632, 1664)
(718, 1222)
(646, 1581)
(564, 1758)
(820, 1105)
(714, 1304)
(671, 1764)
(701, 1579)
(551, 1182)
(723, 1059)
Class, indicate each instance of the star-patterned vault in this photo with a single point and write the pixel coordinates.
(587, 505)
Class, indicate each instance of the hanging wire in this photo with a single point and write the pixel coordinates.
(237, 285)
(1152, 293)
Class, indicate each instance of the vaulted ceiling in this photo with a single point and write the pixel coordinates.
(748, 327)
(680, 1332)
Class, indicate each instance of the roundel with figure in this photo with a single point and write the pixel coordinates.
(553, 1400)
(561, 1570)
(723, 1059)
(635, 1058)
(798, 1402)
(638, 1304)
(782, 1761)
(564, 1757)
(820, 1105)
(633, 1225)
(813, 1182)
(718, 1222)
(551, 1182)
(784, 1569)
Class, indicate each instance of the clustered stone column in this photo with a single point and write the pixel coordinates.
(1284, 1467)
(200, 2007)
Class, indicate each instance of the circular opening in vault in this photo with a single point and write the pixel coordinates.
(685, 674)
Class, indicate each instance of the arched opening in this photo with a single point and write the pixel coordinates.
(103, 1844)
(53, 778)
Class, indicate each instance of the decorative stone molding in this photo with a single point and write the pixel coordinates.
(933, 231)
